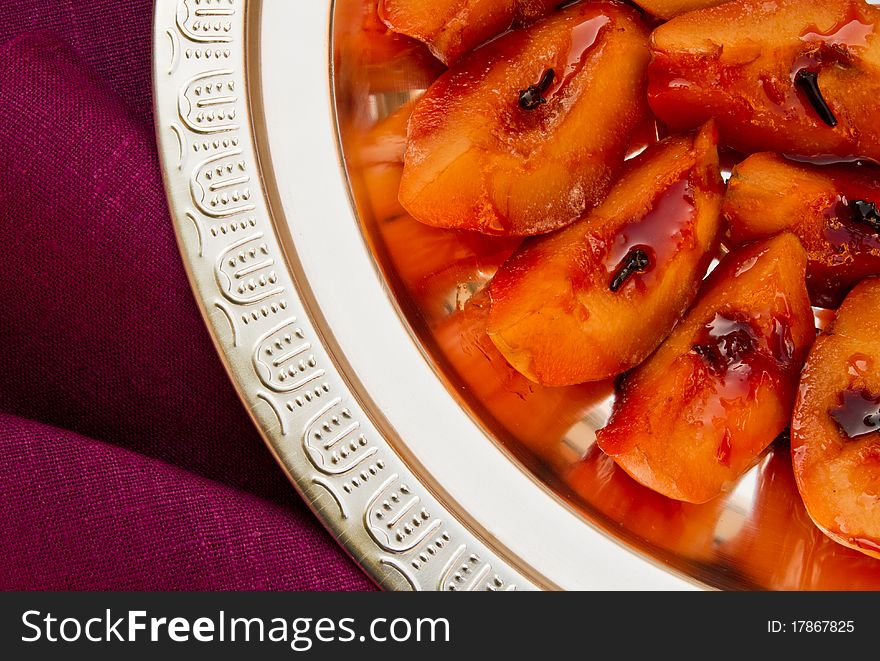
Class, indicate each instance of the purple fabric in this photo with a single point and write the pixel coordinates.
(143, 470)
(82, 514)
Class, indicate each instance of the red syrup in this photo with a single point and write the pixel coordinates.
(858, 413)
(566, 65)
(859, 365)
(851, 251)
(724, 344)
(648, 132)
(737, 358)
(867, 544)
(838, 46)
(661, 233)
(843, 247)
(853, 245)
(831, 160)
(584, 38)
(835, 47)
(851, 32)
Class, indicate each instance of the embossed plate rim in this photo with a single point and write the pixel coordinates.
(386, 503)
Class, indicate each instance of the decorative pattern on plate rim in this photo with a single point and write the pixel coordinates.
(359, 487)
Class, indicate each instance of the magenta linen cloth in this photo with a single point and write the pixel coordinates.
(126, 460)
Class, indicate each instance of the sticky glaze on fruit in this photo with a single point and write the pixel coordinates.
(835, 441)
(595, 299)
(832, 210)
(451, 28)
(858, 413)
(790, 76)
(667, 9)
(498, 146)
(693, 417)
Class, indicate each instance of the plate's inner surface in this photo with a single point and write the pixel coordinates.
(756, 536)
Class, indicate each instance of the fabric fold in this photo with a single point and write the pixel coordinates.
(84, 515)
(101, 336)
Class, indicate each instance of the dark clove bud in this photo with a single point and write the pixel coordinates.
(867, 214)
(808, 81)
(858, 413)
(636, 261)
(533, 96)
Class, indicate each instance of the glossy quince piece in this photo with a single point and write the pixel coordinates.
(368, 54)
(835, 442)
(527, 133)
(790, 76)
(720, 389)
(667, 9)
(832, 209)
(451, 28)
(431, 263)
(596, 298)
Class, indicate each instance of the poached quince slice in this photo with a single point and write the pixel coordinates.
(528, 132)
(596, 298)
(451, 28)
(667, 9)
(368, 52)
(430, 262)
(832, 209)
(720, 389)
(835, 442)
(791, 76)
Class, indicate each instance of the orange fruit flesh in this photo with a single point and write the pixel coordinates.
(667, 9)
(739, 63)
(836, 456)
(555, 314)
(451, 28)
(430, 262)
(476, 159)
(382, 60)
(818, 204)
(698, 413)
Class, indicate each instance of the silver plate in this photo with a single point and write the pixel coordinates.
(252, 97)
